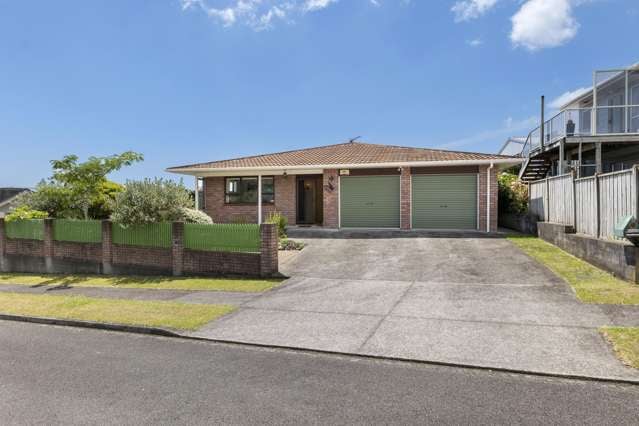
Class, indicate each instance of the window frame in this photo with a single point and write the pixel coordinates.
(249, 203)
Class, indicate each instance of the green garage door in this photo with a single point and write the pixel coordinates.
(369, 201)
(444, 201)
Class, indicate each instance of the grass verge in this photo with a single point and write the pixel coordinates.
(179, 316)
(625, 342)
(591, 284)
(161, 283)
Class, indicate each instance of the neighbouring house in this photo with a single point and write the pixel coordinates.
(597, 131)
(513, 146)
(8, 197)
(355, 185)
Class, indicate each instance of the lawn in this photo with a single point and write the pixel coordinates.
(591, 284)
(162, 283)
(625, 341)
(179, 316)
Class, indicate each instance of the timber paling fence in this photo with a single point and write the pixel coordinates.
(592, 205)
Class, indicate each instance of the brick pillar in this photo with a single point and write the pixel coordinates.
(107, 247)
(483, 199)
(47, 245)
(177, 248)
(268, 249)
(405, 199)
(331, 198)
(3, 245)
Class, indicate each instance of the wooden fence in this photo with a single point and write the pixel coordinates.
(593, 205)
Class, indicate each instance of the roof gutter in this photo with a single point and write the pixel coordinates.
(204, 170)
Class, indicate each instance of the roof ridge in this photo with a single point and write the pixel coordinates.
(264, 155)
(428, 149)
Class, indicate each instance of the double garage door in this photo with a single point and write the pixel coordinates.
(444, 201)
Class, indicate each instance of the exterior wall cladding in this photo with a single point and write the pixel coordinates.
(285, 199)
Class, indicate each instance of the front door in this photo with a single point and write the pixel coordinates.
(309, 200)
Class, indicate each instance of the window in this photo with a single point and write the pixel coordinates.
(243, 190)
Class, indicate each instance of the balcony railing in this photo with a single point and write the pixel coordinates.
(610, 120)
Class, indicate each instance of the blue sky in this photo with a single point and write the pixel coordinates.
(184, 81)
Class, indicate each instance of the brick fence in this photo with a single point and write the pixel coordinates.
(51, 256)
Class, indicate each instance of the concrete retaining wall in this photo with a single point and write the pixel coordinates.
(618, 257)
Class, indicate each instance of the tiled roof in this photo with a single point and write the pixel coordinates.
(344, 153)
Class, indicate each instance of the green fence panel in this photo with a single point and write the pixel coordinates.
(79, 231)
(29, 229)
(149, 235)
(222, 237)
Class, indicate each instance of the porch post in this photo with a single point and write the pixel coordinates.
(197, 193)
(562, 155)
(598, 158)
(259, 199)
(593, 116)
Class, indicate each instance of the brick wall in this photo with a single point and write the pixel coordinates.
(331, 198)
(214, 206)
(200, 262)
(77, 251)
(483, 201)
(142, 256)
(21, 255)
(405, 199)
(24, 247)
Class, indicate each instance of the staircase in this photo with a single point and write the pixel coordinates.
(534, 169)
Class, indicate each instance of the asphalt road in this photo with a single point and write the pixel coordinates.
(58, 375)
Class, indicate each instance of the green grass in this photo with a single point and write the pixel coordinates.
(179, 316)
(162, 283)
(591, 284)
(625, 341)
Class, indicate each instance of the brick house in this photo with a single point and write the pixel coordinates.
(355, 185)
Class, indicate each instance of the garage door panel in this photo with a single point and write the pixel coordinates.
(444, 201)
(369, 201)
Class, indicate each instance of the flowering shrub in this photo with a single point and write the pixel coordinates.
(513, 194)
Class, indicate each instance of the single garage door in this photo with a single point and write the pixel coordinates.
(369, 201)
(444, 201)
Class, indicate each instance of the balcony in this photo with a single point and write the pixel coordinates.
(610, 120)
(611, 108)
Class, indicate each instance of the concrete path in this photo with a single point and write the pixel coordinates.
(457, 300)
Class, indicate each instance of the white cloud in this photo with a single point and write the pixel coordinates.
(465, 10)
(476, 42)
(313, 5)
(495, 136)
(257, 14)
(544, 23)
(566, 97)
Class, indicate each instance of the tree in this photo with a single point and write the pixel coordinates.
(84, 181)
(79, 190)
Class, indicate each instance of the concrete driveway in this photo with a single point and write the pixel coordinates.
(475, 301)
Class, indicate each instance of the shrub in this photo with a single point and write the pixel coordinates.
(513, 194)
(60, 202)
(280, 220)
(286, 244)
(151, 201)
(52, 198)
(23, 212)
(195, 216)
(102, 203)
